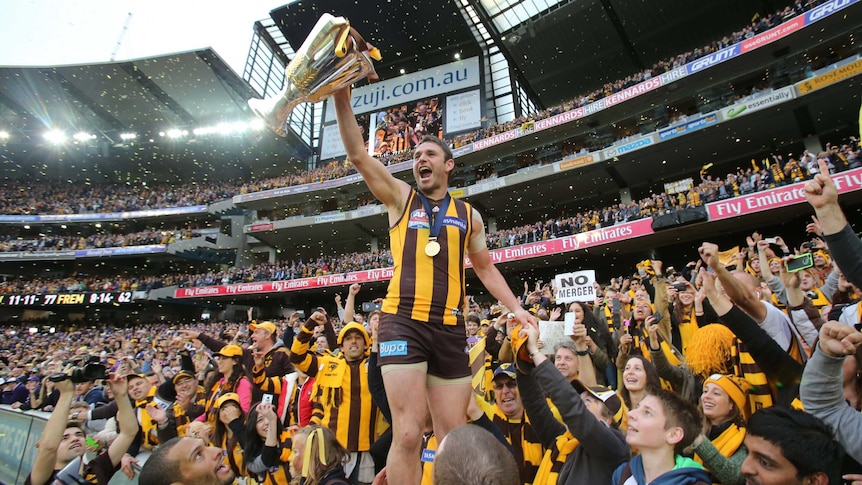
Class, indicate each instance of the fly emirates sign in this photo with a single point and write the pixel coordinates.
(596, 237)
(848, 181)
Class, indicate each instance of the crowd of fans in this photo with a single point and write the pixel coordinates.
(82, 283)
(94, 241)
(768, 173)
(288, 270)
(53, 197)
(724, 368)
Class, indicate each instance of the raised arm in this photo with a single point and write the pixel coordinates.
(52, 434)
(735, 288)
(389, 190)
(490, 275)
(126, 419)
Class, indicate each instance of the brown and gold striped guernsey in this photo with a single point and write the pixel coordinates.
(424, 288)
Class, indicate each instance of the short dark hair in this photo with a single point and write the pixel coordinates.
(473, 455)
(678, 412)
(804, 440)
(160, 469)
(447, 152)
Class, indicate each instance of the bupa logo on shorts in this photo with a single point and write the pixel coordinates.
(393, 347)
(418, 220)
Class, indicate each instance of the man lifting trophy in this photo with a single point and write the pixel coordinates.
(332, 57)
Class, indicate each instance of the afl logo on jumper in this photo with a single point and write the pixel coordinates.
(418, 220)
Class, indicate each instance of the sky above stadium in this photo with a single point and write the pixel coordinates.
(58, 32)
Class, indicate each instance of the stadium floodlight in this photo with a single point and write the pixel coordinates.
(128, 136)
(176, 133)
(55, 136)
(256, 124)
(82, 136)
(4, 135)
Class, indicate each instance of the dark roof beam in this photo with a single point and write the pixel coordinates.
(628, 46)
(157, 92)
(73, 91)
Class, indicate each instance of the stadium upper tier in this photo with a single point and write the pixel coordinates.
(56, 198)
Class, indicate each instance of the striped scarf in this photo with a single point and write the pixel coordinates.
(554, 459)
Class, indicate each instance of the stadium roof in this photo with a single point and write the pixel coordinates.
(561, 47)
(148, 97)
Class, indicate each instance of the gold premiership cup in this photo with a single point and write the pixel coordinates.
(332, 57)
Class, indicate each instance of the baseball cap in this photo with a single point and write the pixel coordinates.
(505, 370)
(129, 377)
(34, 379)
(355, 327)
(230, 351)
(605, 395)
(268, 326)
(182, 375)
(231, 396)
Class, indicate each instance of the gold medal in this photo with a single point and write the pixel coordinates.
(432, 248)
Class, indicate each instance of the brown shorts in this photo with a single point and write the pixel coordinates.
(406, 341)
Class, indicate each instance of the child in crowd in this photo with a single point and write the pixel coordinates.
(660, 427)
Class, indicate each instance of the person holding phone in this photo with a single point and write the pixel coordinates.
(634, 341)
(591, 336)
(62, 447)
(266, 446)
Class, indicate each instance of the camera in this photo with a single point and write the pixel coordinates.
(92, 370)
(680, 286)
(370, 306)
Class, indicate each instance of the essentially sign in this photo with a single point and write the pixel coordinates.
(577, 286)
(849, 181)
(69, 299)
(763, 101)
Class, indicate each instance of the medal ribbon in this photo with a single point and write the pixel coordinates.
(435, 224)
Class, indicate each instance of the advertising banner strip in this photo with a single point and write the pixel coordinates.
(758, 103)
(826, 79)
(584, 240)
(143, 249)
(848, 181)
(576, 162)
(447, 78)
(107, 216)
(688, 127)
